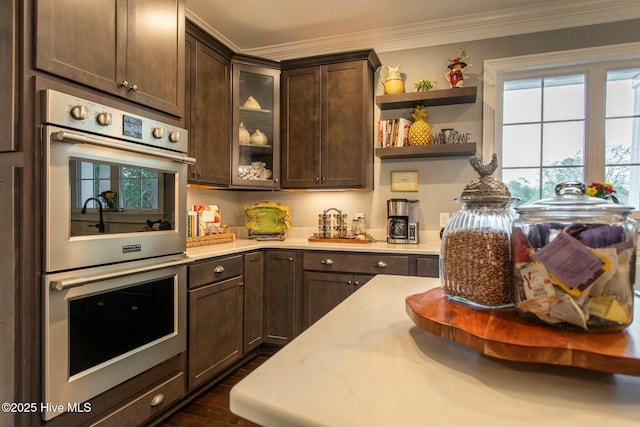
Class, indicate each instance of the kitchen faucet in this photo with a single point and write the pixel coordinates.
(100, 224)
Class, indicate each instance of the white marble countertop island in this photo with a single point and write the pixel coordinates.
(367, 364)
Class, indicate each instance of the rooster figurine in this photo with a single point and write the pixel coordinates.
(484, 170)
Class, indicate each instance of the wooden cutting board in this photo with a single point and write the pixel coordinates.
(506, 335)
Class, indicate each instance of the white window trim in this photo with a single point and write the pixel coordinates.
(491, 132)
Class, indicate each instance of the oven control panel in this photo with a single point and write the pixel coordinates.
(77, 113)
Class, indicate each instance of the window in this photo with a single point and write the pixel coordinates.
(137, 188)
(565, 116)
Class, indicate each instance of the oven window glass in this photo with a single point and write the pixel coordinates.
(131, 188)
(108, 325)
(115, 198)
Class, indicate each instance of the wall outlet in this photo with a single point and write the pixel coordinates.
(444, 217)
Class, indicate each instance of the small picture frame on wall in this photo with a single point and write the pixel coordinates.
(404, 181)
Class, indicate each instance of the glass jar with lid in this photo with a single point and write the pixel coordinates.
(574, 261)
(475, 252)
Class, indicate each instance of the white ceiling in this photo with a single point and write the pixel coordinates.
(280, 29)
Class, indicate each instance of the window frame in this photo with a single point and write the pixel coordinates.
(591, 61)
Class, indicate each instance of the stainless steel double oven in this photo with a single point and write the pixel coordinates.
(114, 256)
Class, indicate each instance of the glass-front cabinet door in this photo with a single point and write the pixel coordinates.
(256, 127)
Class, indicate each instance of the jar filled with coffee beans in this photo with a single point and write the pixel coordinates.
(574, 261)
(475, 253)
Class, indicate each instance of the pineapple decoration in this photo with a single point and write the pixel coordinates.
(420, 131)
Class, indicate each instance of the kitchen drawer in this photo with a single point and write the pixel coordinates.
(428, 267)
(369, 263)
(215, 270)
(151, 403)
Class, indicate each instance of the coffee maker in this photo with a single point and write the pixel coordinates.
(402, 220)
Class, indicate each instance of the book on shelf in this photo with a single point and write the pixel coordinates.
(393, 133)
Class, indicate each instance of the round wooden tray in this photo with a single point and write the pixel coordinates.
(506, 335)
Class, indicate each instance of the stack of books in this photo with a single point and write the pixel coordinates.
(393, 133)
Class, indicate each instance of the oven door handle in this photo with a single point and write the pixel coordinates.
(74, 138)
(72, 282)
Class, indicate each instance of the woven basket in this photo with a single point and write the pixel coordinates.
(210, 239)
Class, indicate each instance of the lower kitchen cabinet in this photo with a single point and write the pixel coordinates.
(330, 277)
(282, 296)
(253, 300)
(147, 405)
(215, 318)
(428, 266)
(323, 291)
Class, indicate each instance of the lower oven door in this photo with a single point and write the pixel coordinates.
(105, 325)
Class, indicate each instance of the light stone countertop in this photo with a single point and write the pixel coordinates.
(430, 247)
(367, 364)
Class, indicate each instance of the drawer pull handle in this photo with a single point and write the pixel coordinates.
(327, 261)
(380, 264)
(290, 258)
(157, 400)
(218, 269)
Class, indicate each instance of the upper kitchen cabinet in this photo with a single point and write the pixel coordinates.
(208, 108)
(327, 121)
(256, 123)
(132, 49)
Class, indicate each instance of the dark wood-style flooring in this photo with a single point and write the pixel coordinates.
(212, 408)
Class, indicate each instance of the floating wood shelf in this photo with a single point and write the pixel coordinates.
(506, 335)
(434, 150)
(430, 98)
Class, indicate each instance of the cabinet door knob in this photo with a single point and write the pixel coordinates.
(324, 178)
(349, 282)
(157, 400)
(134, 88)
(380, 264)
(327, 261)
(124, 83)
(218, 269)
(290, 258)
(317, 179)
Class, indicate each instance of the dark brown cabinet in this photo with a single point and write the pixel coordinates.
(282, 296)
(256, 123)
(208, 112)
(253, 300)
(327, 121)
(215, 317)
(428, 266)
(330, 277)
(114, 46)
(324, 291)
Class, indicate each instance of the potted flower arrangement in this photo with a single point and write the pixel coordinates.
(603, 191)
(110, 198)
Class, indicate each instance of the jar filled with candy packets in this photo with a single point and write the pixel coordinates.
(574, 261)
(475, 253)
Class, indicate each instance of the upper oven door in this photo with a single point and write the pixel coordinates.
(110, 201)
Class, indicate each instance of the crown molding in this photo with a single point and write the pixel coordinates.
(508, 22)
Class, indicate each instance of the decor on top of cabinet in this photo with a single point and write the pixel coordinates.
(420, 131)
(259, 138)
(267, 220)
(424, 85)
(243, 134)
(457, 66)
(393, 81)
(252, 103)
